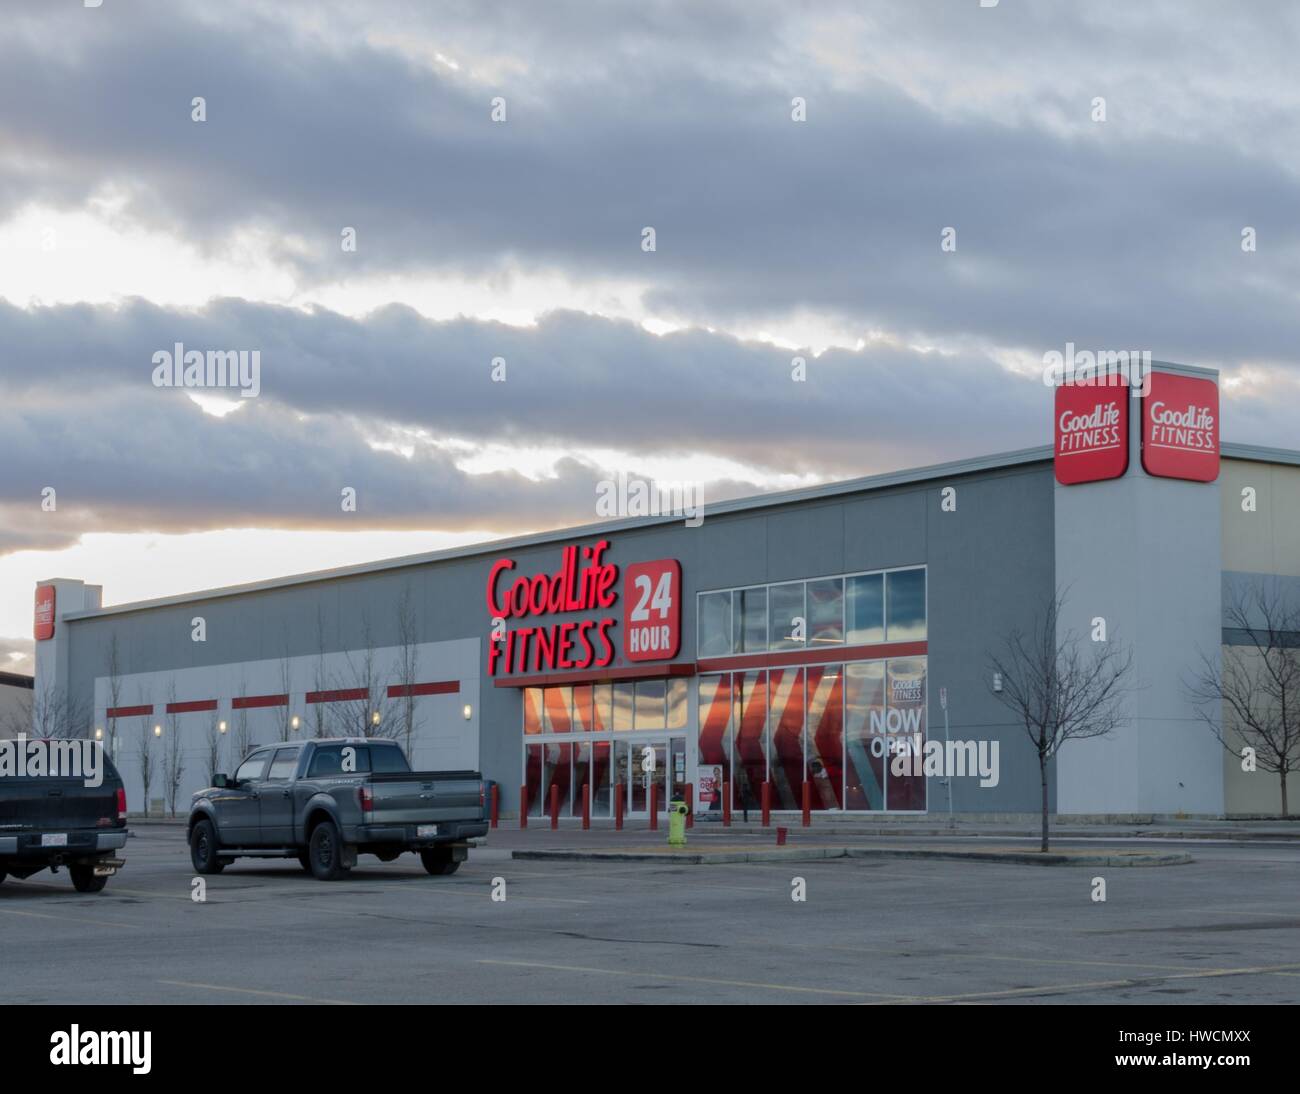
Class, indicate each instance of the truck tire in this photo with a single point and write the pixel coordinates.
(438, 861)
(326, 852)
(203, 849)
(85, 880)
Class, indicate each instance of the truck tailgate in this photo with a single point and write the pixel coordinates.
(420, 797)
(35, 803)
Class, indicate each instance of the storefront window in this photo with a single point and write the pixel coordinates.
(601, 797)
(556, 773)
(864, 758)
(556, 705)
(825, 735)
(581, 774)
(750, 621)
(785, 720)
(787, 621)
(750, 761)
(650, 704)
(716, 709)
(826, 611)
(622, 707)
(905, 600)
(866, 609)
(678, 703)
(532, 711)
(533, 779)
(905, 699)
(715, 625)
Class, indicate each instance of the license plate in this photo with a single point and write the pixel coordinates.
(54, 839)
(423, 831)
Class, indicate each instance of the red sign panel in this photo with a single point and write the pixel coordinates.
(652, 610)
(1091, 433)
(1180, 427)
(44, 612)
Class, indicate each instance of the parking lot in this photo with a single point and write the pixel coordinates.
(1223, 929)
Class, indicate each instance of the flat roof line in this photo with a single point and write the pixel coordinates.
(824, 491)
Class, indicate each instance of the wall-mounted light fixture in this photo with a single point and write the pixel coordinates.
(157, 731)
(374, 718)
(221, 726)
(294, 722)
(468, 711)
(99, 734)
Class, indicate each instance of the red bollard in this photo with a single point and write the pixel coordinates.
(586, 805)
(618, 809)
(690, 805)
(781, 833)
(767, 804)
(726, 803)
(523, 806)
(496, 806)
(654, 808)
(555, 807)
(807, 803)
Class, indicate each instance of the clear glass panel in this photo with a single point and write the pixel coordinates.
(715, 625)
(622, 706)
(905, 722)
(622, 760)
(785, 720)
(602, 707)
(864, 739)
(581, 774)
(749, 630)
(677, 768)
(678, 702)
(533, 779)
(825, 611)
(556, 773)
(785, 609)
(650, 704)
(865, 604)
(715, 739)
(750, 768)
(905, 599)
(825, 688)
(601, 796)
(532, 710)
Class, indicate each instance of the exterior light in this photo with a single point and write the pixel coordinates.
(221, 726)
(294, 721)
(157, 731)
(374, 718)
(468, 711)
(99, 734)
(997, 681)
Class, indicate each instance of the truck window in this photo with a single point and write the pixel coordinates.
(284, 765)
(252, 767)
(329, 761)
(387, 758)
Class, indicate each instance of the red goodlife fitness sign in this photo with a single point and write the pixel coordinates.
(1180, 427)
(1091, 433)
(523, 639)
(44, 612)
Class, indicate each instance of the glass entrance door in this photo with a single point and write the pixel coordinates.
(648, 766)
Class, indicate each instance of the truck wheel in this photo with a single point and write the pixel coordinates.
(438, 861)
(203, 849)
(85, 880)
(326, 851)
(304, 860)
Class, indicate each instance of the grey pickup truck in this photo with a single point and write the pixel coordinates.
(326, 801)
(48, 821)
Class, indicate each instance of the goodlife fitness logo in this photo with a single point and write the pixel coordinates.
(1091, 433)
(44, 626)
(1180, 428)
(584, 585)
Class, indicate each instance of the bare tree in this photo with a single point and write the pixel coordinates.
(57, 714)
(114, 691)
(21, 715)
(320, 681)
(366, 710)
(212, 738)
(243, 738)
(173, 753)
(407, 655)
(1055, 691)
(1250, 695)
(147, 756)
(284, 714)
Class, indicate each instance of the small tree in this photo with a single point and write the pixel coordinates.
(321, 679)
(284, 714)
(213, 741)
(243, 738)
(1250, 696)
(1055, 691)
(57, 714)
(370, 713)
(173, 754)
(114, 691)
(407, 657)
(147, 757)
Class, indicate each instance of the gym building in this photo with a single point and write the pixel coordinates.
(786, 646)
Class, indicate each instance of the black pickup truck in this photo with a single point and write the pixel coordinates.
(325, 801)
(48, 821)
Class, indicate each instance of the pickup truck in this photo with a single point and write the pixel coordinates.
(48, 821)
(325, 801)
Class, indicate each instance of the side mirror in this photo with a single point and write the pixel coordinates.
(221, 780)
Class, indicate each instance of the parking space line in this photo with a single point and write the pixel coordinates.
(256, 991)
(76, 919)
(839, 992)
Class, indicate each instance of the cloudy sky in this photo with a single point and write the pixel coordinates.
(127, 226)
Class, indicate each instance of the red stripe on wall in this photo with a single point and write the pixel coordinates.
(595, 676)
(249, 701)
(187, 708)
(341, 696)
(127, 712)
(783, 659)
(436, 687)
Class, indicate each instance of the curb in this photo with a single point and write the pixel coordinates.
(688, 858)
(1030, 858)
(811, 854)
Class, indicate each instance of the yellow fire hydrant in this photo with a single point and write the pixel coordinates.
(677, 823)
